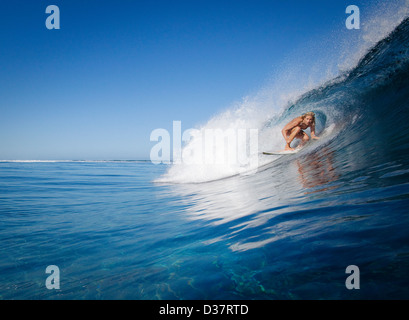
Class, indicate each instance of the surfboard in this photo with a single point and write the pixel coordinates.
(280, 153)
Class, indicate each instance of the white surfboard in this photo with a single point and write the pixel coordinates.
(280, 153)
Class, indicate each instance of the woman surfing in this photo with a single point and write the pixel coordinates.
(295, 130)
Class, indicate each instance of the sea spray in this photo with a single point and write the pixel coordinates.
(309, 80)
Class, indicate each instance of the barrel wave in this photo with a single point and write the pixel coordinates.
(302, 219)
(275, 227)
(361, 112)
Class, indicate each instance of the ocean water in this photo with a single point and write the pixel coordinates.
(287, 230)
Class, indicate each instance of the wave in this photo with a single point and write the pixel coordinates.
(365, 106)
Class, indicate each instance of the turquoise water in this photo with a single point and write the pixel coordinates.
(288, 230)
(116, 235)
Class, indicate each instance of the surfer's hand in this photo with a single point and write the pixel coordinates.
(315, 137)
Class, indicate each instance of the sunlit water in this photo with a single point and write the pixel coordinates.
(289, 230)
(116, 235)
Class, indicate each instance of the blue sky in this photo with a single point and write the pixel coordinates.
(117, 70)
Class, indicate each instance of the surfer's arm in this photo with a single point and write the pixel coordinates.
(313, 136)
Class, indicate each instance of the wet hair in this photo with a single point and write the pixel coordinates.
(311, 114)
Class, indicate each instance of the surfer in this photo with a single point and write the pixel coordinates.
(295, 130)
